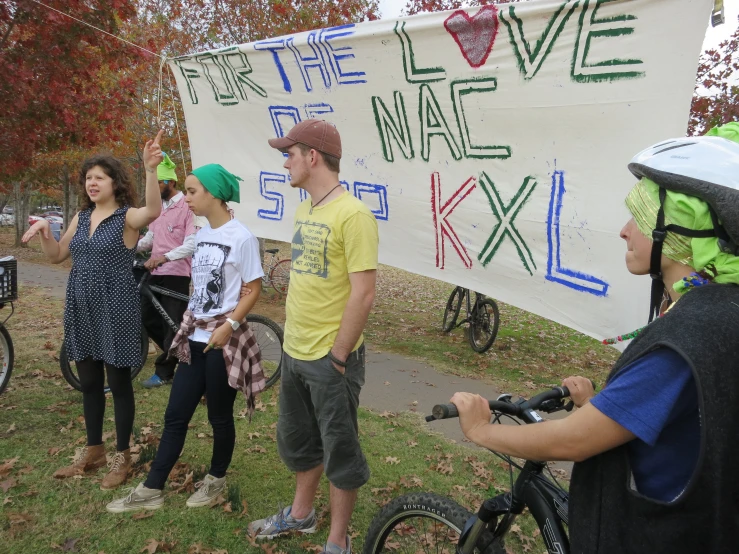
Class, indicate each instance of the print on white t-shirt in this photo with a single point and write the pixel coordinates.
(208, 277)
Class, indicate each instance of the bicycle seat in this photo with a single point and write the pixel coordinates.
(272, 251)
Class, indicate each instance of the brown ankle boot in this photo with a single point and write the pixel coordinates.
(119, 468)
(86, 459)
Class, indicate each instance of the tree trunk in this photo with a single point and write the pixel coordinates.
(68, 208)
(261, 249)
(21, 199)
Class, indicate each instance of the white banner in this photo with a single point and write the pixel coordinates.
(491, 143)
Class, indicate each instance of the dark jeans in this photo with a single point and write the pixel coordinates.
(92, 380)
(318, 419)
(155, 325)
(206, 374)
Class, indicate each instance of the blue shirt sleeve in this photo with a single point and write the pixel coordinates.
(643, 396)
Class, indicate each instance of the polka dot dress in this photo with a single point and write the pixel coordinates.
(102, 316)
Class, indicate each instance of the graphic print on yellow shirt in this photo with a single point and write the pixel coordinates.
(309, 249)
(338, 238)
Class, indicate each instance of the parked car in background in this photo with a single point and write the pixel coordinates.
(34, 218)
(54, 213)
(7, 220)
(8, 210)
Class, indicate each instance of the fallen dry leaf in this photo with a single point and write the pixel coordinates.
(142, 515)
(8, 500)
(11, 429)
(70, 545)
(391, 460)
(7, 466)
(8, 484)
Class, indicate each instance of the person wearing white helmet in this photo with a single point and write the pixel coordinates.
(655, 449)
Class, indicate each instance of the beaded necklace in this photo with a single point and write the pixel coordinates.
(692, 281)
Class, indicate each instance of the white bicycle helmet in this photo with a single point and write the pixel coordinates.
(704, 167)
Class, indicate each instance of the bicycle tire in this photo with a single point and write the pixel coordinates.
(431, 509)
(482, 330)
(269, 337)
(70, 372)
(279, 276)
(453, 306)
(7, 357)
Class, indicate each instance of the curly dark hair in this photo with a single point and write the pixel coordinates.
(113, 168)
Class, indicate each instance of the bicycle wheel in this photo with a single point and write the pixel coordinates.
(279, 276)
(483, 325)
(269, 338)
(6, 357)
(69, 371)
(422, 522)
(453, 306)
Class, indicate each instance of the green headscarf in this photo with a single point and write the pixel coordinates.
(219, 182)
(166, 169)
(729, 131)
(692, 213)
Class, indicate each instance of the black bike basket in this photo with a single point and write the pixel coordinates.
(8, 280)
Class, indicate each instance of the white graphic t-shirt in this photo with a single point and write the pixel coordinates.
(223, 258)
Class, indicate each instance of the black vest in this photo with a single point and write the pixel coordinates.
(606, 514)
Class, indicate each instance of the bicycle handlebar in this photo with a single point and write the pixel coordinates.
(524, 409)
(447, 411)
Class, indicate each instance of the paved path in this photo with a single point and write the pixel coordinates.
(393, 383)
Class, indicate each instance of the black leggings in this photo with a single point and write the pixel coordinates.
(206, 374)
(92, 380)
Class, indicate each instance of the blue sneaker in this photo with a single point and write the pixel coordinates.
(155, 381)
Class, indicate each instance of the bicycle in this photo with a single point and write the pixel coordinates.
(268, 334)
(483, 318)
(8, 293)
(276, 272)
(418, 521)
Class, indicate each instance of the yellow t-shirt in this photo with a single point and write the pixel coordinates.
(334, 240)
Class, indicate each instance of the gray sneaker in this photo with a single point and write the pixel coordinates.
(282, 523)
(208, 490)
(331, 548)
(139, 498)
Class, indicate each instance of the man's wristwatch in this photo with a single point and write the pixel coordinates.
(336, 360)
(234, 324)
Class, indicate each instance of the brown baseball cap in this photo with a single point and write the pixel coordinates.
(315, 133)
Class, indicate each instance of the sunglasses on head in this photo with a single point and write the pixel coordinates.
(167, 181)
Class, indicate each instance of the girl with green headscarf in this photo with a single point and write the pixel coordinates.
(217, 350)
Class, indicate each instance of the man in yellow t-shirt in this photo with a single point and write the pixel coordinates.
(332, 287)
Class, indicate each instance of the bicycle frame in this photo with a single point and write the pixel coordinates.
(470, 308)
(148, 291)
(547, 503)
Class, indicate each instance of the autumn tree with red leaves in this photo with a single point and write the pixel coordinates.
(716, 97)
(54, 98)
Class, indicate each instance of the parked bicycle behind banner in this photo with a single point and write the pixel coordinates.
(482, 317)
(276, 272)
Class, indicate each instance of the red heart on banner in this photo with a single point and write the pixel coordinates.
(474, 35)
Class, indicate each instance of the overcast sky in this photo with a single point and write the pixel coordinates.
(392, 8)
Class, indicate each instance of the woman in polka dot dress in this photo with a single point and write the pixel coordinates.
(102, 318)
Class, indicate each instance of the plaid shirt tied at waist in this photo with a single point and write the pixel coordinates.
(241, 354)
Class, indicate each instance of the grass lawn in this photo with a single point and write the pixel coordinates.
(41, 425)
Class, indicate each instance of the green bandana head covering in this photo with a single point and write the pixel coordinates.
(689, 212)
(219, 182)
(165, 170)
(729, 131)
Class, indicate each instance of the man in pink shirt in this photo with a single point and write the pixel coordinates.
(171, 239)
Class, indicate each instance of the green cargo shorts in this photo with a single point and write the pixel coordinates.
(318, 419)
